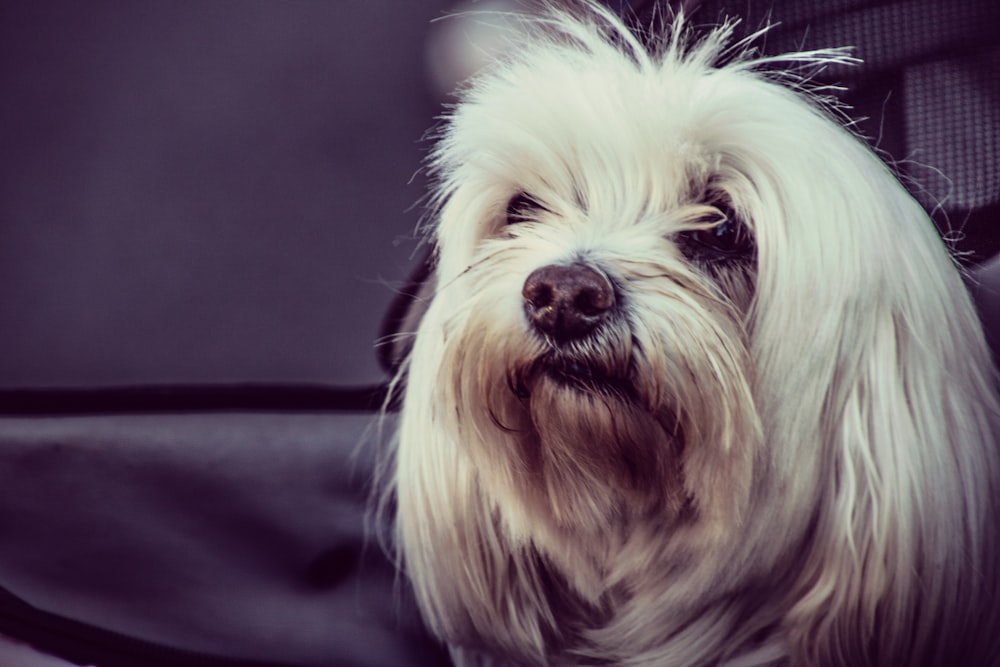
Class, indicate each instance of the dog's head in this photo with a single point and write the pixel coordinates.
(688, 335)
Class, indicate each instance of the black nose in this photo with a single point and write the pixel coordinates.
(567, 302)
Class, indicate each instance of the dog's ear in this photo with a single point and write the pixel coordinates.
(901, 569)
(400, 323)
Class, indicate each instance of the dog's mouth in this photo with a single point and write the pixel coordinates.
(586, 377)
(575, 373)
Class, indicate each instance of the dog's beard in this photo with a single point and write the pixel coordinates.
(587, 458)
(650, 415)
(590, 437)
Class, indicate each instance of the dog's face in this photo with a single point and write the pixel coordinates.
(597, 273)
(598, 276)
(683, 325)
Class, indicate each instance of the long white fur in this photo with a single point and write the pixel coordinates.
(838, 442)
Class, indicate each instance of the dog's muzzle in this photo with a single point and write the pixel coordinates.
(567, 302)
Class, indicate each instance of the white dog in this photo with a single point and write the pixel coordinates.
(698, 382)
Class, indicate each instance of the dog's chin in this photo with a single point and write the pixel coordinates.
(593, 434)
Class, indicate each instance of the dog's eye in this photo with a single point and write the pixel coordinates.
(728, 237)
(522, 207)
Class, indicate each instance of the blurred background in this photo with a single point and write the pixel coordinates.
(227, 190)
(197, 191)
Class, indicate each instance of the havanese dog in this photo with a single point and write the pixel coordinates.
(697, 381)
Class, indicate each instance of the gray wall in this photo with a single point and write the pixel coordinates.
(206, 190)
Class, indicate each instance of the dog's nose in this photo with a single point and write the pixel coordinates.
(567, 301)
